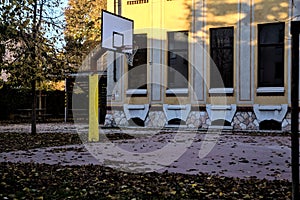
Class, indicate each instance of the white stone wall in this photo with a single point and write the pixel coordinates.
(109, 120)
(196, 119)
(286, 124)
(115, 118)
(245, 121)
(120, 118)
(156, 119)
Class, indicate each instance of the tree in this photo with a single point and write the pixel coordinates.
(83, 28)
(29, 30)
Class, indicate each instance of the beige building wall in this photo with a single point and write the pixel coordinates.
(156, 17)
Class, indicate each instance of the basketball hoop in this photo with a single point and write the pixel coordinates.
(129, 53)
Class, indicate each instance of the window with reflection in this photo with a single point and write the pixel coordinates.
(137, 73)
(178, 59)
(271, 55)
(221, 52)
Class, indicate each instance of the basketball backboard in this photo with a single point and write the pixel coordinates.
(117, 32)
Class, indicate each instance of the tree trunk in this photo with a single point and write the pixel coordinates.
(33, 108)
(33, 82)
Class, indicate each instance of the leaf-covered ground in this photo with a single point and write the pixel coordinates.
(40, 181)
(26, 141)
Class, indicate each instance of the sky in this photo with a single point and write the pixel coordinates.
(59, 10)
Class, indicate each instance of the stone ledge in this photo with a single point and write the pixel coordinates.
(181, 111)
(136, 111)
(223, 112)
(270, 112)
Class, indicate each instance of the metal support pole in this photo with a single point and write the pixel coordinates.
(66, 100)
(93, 135)
(295, 31)
(93, 108)
(115, 67)
(117, 7)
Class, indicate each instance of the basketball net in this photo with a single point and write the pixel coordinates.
(130, 56)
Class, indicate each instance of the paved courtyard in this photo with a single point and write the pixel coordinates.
(229, 154)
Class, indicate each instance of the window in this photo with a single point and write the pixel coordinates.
(221, 52)
(178, 59)
(137, 74)
(271, 55)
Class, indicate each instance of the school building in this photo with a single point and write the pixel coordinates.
(204, 64)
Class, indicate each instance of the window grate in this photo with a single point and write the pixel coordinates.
(137, 2)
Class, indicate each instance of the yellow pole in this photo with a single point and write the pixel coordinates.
(93, 108)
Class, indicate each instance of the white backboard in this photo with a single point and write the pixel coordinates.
(117, 32)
